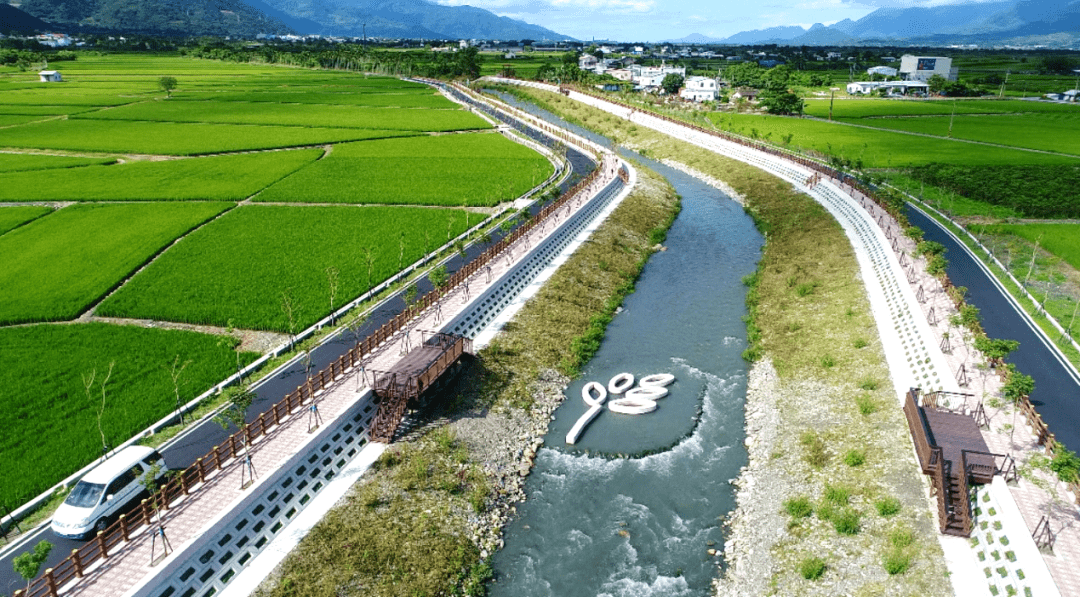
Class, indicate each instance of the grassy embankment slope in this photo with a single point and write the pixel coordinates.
(842, 450)
(406, 530)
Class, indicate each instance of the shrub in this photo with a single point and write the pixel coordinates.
(936, 265)
(798, 507)
(828, 361)
(897, 561)
(847, 522)
(901, 537)
(929, 247)
(887, 506)
(854, 457)
(859, 343)
(866, 404)
(816, 454)
(1065, 463)
(869, 383)
(812, 568)
(837, 494)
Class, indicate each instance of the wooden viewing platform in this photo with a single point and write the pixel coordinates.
(402, 386)
(952, 451)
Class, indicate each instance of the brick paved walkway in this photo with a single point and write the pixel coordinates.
(128, 565)
(1039, 493)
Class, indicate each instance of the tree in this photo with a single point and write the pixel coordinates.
(410, 296)
(174, 373)
(438, 277)
(29, 563)
(167, 84)
(289, 308)
(781, 101)
(88, 383)
(235, 414)
(332, 275)
(672, 83)
(937, 83)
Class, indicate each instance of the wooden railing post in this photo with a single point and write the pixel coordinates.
(201, 469)
(76, 561)
(124, 525)
(102, 546)
(50, 582)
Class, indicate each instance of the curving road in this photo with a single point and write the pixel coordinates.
(1057, 387)
(197, 441)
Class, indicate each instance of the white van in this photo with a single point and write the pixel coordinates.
(104, 491)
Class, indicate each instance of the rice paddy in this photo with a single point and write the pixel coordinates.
(149, 176)
(237, 268)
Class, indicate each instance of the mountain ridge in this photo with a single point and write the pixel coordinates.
(992, 22)
(403, 19)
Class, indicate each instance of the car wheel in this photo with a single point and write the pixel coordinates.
(101, 525)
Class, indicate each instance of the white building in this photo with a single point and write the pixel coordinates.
(50, 76)
(886, 71)
(901, 87)
(699, 89)
(587, 62)
(921, 68)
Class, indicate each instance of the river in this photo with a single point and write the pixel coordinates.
(633, 508)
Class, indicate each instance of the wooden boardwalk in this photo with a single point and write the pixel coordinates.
(953, 452)
(405, 382)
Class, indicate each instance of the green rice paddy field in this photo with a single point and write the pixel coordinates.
(237, 268)
(58, 265)
(230, 177)
(451, 170)
(101, 157)
(1062, 240)
(50, 427)
(879, 147)
(13, 217)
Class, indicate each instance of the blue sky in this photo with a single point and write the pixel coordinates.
(654, 20)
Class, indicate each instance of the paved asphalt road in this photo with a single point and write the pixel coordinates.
(197, 442)
(1057, 390)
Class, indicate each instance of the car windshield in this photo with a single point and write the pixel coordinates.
(85, 495)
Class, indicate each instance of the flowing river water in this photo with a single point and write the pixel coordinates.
(633, 508)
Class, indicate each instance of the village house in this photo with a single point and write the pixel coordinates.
(699, 89)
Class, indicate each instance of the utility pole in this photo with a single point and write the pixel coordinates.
(1002, 93)
(365, 35)
(832, 94)
(952, 117)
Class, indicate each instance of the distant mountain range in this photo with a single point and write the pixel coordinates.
(246, 18)
(1054, 23)
(165, 17)
(13, 20)
(400, 19)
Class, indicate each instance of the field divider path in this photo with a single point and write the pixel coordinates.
(910, 345)
(127, 569)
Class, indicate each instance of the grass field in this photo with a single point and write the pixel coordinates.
(168, 138)
(306, 115)
(14, 162)
(237, 268)
(392, 98)
(1062, 240)
(876, 148)
(220, 178)
(50, 427)
(13, 217)
(445, 170)
(57, 266)
(869, 108)
(1047, 132)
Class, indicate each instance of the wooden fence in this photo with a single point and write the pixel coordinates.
(188, 481)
